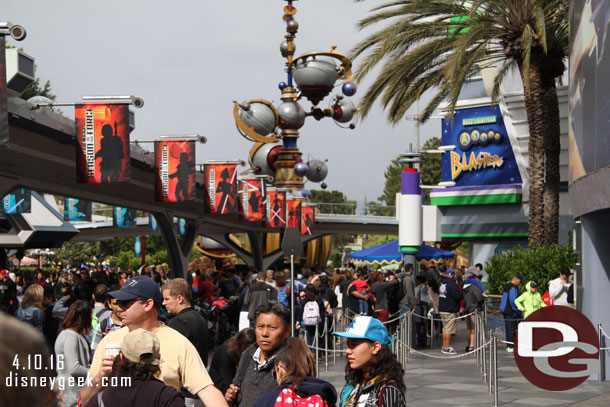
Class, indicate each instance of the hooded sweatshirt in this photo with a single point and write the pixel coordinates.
(529, 301)
(309, 387)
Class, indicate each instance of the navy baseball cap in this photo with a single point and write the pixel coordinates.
(138, 287)
(450, 272)
(366, 328)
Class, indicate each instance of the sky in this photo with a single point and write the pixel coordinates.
(189, 59)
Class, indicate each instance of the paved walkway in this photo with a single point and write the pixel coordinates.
(458, 382)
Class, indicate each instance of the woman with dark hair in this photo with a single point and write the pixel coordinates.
(313, 298)
(138, 362)
(374, 375)
(254, 375)
(73, 346)
(381, 289)
(295, 368)
(226, 358)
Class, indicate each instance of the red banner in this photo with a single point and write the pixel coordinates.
(293, 212)
(221, 188)
(251, 200)
(175, 170)
(276, 209)
(102, 152)
(308, 218)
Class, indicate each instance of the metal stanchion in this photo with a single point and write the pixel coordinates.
(316, 342)
(334, 339)
(483, 354)
(601, 375)
(495, 370)
(326, 344)
(432, 333)
(410, 335)
(490, 364)
(477, 338)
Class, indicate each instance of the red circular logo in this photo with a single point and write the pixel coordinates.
(557, 348)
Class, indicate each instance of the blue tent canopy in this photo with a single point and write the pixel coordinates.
(389, 253)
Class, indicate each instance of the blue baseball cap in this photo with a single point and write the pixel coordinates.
(450, 272)
(138, 287)
(366, 328)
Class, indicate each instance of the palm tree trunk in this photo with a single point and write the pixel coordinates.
(534, 102)
(552, 148)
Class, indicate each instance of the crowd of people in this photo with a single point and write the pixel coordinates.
(102, 323)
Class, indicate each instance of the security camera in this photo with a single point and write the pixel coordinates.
(137, 102)
(17, 32)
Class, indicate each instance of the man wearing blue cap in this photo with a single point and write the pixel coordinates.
(449, 297)
(374, 374)
(139, 301)
(509, 309)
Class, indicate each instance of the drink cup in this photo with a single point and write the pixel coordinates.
(113, 349)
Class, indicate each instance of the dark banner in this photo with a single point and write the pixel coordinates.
(77, 210)
(308, 219)
(251, 199)
(102, 151)
(3, 97)
(293, 212)
(276, 209)
(19, 201)
(123, 217)
(175, 170)
(221, 188)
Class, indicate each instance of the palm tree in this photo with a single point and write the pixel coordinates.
(436, 46)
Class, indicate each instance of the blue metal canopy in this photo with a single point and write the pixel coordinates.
(388, 253)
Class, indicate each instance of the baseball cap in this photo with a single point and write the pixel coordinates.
(4, 273)
(138, 287)
(141, 346)
(366, 328)
(517, 275)
(450, 272)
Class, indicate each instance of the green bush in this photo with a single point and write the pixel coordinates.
(541, 265)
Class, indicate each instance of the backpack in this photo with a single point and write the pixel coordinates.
(289, 398)
(311, 313)
(547, 299)
(282, 295)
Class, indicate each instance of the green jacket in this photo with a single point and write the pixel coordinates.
(529, 302)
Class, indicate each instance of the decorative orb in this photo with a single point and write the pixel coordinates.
(349, 88)
(300, 169)
(315, 77)
(260, 116)
(284, 49)
(344, 111)
(292, 26)
(264, 158)
(323, 185)
(282, 85)
(292, 115)
(317, 170)
(352, 126)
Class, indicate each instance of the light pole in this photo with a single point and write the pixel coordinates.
(312, 76)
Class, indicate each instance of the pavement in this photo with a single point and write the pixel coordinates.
(434, 379)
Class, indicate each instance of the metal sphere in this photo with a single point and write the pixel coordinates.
(315, 77)
(323, 185)
(318, 170)
(300, 169)
(349, 88)
(284, 49)
(292, 26)
(260, 116)
(292, 115)
(264, 158)
(344, 111)
(282, 85)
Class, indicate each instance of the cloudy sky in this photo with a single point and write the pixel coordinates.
(188, 59)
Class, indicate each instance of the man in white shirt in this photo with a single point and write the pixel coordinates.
(558, 288)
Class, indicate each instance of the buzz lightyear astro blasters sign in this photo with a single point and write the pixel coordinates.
(483, 154)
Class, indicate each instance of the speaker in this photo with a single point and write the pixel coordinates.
(20, 71)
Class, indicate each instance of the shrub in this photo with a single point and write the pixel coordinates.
(541, 265)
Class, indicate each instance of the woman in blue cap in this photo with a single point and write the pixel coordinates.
(374, 375)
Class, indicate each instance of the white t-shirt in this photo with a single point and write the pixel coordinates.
(559, 292)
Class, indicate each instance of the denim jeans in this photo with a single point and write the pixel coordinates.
(510, 325)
